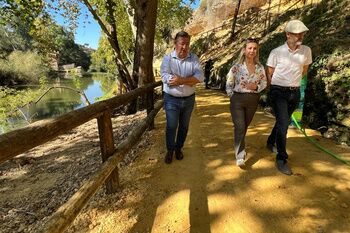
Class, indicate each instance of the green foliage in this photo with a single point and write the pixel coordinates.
(327, 97)
(24, 67)
(51, 38)
(77, 82)
(203, 44)
(102, 60)
(25, 10)
(73, 53)
(43, 81)
(172, 15)
(44, 37)
(125, 36)
(11, 99)
(337, 87)
(14, 38)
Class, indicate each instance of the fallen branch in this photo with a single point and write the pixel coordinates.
(64, 87)
(24, 212)
(28, 120)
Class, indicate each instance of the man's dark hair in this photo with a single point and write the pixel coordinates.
(182, 34)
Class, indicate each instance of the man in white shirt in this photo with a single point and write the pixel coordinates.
(286, 66)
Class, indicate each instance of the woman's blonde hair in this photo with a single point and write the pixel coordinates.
(241, 57)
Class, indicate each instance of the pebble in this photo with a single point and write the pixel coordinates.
(344, 205)
(11, 212)
(333, 194)
(21, 227)
(91, 226)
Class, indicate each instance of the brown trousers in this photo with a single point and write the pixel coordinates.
(243, 107)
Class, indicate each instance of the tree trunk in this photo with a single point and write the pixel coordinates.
(146, 14)
(235, 16)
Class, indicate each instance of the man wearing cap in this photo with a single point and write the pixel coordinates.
(286, 66)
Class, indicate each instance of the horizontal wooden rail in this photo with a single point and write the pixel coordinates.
(21, 140)
(66, 214)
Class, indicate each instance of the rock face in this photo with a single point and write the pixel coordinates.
(212, 13)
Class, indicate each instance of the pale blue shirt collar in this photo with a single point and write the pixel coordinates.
(174, 55)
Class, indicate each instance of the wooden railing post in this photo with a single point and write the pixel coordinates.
(105, 131)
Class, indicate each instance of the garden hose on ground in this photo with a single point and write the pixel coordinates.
(319, 146)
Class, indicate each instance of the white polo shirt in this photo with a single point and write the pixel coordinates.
(288, 64)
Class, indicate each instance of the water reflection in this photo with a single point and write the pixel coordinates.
(60, 100)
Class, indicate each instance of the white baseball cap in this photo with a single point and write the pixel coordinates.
(296, 26)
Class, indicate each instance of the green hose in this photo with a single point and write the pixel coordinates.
(317, 145)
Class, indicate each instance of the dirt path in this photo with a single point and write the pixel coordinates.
(205, 192)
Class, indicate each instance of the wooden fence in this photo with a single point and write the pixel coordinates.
(38, 133)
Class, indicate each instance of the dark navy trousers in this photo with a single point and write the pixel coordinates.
(178, 112)
(284, 101)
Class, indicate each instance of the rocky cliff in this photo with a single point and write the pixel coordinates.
(212, 13)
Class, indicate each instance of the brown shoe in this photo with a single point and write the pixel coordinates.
(179, 155)
(169, 157)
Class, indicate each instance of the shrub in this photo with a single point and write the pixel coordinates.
(11, 99)
(23, 67)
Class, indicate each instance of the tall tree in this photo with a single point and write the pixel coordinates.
(235, 16)
(146, 26)
(26, 10)
(108, 25)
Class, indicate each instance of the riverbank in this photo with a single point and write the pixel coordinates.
(22, 105)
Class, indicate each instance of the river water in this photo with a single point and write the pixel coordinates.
(60, 100)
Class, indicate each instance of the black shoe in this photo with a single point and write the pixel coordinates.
(169, 157)
(179, 155)
(271, 148)
(283, 167)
